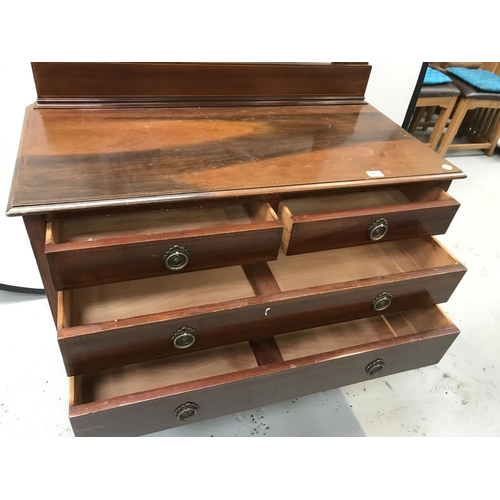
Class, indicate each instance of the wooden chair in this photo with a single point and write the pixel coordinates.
(430, 98)
(477, 117)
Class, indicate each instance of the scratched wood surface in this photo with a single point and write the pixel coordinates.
(88, 158)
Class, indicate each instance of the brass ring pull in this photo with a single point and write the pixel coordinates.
(382, 301)
(375, 367)
(184, 337)
(186, 411)
(378, 229)
(176, 258)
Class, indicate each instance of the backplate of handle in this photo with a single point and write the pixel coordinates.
(186, 411)
(176, 258)
(184, 337)
(382, 301)
(375, 367)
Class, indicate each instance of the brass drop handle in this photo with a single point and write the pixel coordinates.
(375, 367)
(378, 229)
(382, 301)
(176, 258)
(184, 337)
(186, 411)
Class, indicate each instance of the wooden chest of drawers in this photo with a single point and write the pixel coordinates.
(213, 245)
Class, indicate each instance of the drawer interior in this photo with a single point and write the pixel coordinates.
(363, 331)
(154, 295)
(346, 264)
(116, 301)
(157, 221)
(361, 200)
(149, 375)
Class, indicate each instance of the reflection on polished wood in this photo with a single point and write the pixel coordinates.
(84, 158)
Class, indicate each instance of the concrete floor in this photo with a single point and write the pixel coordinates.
(458, 397)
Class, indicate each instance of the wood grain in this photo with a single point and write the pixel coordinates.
(426, 192)
(64, 310)
(359, 332)
(464, 109)
(223, 237)
(424, 253)
(349, 264)
(263, 283)
(261, 279)
(122, 160)
(336, 221)
(35, 227)
(176, 155)
(266, 351)
(192, 366)
(95, 82)
(332, 337)
(349, 201)
(115, 343)
(152, 374)
(75, 391)
(153, 221)
(445, 111)
(153, 410)
(154, 295)
(145, 297)
(120, 341)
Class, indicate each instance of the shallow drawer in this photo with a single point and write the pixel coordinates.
(342, 220)
(110, 325)
(106, 249)
(155, 395)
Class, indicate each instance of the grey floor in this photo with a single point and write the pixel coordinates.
(458, 397)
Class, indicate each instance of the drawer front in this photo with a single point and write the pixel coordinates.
(406, 218)
(136, 256)
(155, 410)
(115, 343)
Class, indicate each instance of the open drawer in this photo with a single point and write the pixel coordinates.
(148, 397)
(341, 220)
(111, 325)
(110, 248)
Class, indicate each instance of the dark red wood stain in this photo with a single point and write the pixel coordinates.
(152, 411)
(113, 343)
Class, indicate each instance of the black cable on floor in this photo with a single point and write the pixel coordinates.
(22, 289)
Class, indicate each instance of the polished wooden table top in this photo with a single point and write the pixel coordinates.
(91, 158)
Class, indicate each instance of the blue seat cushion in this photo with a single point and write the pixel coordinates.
(480, 78)
(435, 77)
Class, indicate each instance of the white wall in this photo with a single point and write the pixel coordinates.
(17, 264)
(389, 89)
(391, 86)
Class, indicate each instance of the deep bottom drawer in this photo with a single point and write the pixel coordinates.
(151, 396)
